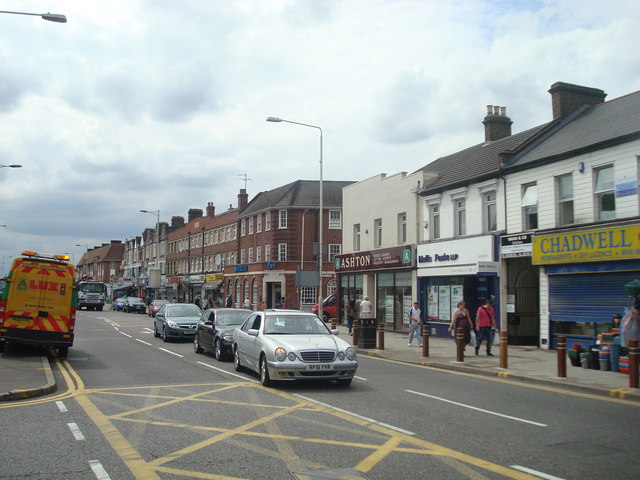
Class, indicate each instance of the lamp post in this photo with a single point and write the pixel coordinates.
(320, 297)
(86, 264)
(10, 166)
(51, 17)
(156, 262)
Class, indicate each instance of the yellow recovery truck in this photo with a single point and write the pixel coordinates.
(38, 302)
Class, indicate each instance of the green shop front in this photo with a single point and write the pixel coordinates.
(386, 276)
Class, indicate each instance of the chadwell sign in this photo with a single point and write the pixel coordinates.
(601, 245)
(394, 257)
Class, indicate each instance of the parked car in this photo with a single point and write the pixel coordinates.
(214, 332)
(292, 345)
(155, 306)
(176, 320)
(329, 308)
(118, 304)
(134, 304)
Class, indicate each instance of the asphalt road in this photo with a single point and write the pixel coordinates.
(136, 407)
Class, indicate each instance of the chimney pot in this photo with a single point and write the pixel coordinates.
(496, 110)
(489, 109)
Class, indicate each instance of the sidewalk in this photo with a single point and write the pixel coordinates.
(26, 373)
(526, 364)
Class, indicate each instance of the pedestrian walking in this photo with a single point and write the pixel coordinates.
(485, 326)
(366, 309)
(415, 323)
(229, 301)
(462, 319)
(247, 304)
(283, 303)
(351, 313)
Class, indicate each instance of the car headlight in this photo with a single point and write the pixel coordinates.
(341, 356)
(172, 324)
(228, 338)
(292, 356)
(351, 353)
(281, 354)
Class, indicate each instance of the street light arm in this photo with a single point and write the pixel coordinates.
(10, 166)
(278, 119)
(51, 17)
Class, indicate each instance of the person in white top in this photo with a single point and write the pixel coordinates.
(365, 308)
(415, 323)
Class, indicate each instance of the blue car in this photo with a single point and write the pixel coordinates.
(118, 304)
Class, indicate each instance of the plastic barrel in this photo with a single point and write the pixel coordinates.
(584, 359)
(604, 360)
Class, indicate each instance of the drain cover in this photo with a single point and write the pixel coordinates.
(333, 474)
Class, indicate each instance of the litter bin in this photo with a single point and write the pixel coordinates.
(367, 330)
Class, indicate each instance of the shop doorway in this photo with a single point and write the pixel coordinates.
(523, 291)
(274, 294)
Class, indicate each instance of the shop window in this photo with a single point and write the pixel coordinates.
(254, 292)
(605, 197)
(308, 295)
(332, 286)
(246, 290)
(530, 207)
(564, 186)
(402, 228)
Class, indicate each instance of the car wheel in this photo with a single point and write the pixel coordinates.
(344, 382)
(217, 349)
(62, 352)
(155, 330)
(196, 345)
(236, 361)
(164, 334)
(265, 380)
(326, 317)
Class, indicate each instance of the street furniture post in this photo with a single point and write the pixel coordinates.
(634, 352)
(381, 336)
(354, 330)
(459, 344)
(562, 356)
(425, 340)
(504, 351)
(334, 324)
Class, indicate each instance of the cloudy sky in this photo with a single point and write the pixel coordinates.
(162, 104)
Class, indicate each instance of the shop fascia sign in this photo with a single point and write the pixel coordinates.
(466, 251)
(214, 277)
(606, 244)
(394, 257)
(516, 245)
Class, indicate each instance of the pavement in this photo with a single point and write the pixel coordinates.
(26, 372)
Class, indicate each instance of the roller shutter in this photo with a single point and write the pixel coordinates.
(588, 297)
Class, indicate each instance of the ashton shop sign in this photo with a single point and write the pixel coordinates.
(395, 257)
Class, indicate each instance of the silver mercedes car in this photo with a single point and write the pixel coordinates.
(292, 345)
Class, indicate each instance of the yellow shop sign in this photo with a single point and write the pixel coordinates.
(606, 244)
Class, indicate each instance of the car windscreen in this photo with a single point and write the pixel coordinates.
(134, 300)
(159, 303)
(183, 311)
(226, 319)
(295, 325)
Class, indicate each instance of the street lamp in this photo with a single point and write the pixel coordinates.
(10, 166)
(51, 17)
(157, 214)
(277, 120)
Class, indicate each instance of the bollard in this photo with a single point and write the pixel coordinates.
(334, 324)
(459, 344)
(634, 351)
(381, 336)
(504, 351)
(562, 356)
(425, 340)
(354, 330)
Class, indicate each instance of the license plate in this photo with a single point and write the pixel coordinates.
(21, 320)
(321, 366)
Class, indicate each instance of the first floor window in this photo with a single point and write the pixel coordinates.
(334, 249)
(605, 196)
(356, 237)
(282, 252)
(565, 199)
(267, 253)
(434, 222)
(460, 217)
(377, 233)
(490, 215)
(530, 207)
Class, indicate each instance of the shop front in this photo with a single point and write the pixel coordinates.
(456, 270)
(386, 276)
(212, 288)
(585, 272)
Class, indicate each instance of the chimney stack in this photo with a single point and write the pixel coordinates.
(243, 198)
(567, 98)
(496, 123)
(177, 221)
(194, 213)
(211, 210)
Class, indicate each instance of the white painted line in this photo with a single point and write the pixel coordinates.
(360, 378)
(172, 353)
(126, 335)
(148, 330)
(479, 409)
(142, 341)
(536, 473)
(62, 407)
(98, 470)
(228, 373)
(116, 328)
(76, 431)
(366, 419)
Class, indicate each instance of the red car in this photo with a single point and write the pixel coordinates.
(329, 308)
(155, 306)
